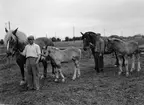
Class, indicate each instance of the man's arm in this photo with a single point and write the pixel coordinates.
(38, 52)
(24, 52)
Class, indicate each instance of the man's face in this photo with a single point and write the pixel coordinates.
(30, 41)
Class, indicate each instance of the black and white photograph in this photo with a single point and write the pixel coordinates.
(71, 52)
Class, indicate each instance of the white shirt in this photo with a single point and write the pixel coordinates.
(32, 50)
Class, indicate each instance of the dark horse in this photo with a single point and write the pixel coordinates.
(16, 41)
(98, 45)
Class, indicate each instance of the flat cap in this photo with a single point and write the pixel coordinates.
(31, 37)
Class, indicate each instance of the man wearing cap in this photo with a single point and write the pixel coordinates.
(32, 53)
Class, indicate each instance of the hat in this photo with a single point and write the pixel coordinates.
(31, 37)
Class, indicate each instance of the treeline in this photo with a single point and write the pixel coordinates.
(1, 42)
(54, 39)
(72, 39)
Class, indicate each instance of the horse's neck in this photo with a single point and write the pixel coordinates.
(21, 46)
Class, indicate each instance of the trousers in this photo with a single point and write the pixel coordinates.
(32, 74)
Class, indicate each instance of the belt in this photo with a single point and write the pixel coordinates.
(31, 57)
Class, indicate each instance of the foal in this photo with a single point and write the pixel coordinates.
(125, 49)
(63, 56)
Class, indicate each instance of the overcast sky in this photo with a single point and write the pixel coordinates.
(58, 17)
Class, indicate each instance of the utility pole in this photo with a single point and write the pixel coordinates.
(104, 31)
(73, 33)
(121, 33)
(46, 35)
(9, 25)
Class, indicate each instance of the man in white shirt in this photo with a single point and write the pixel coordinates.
(32, 52)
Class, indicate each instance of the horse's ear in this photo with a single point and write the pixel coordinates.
(15, 31)
(110, 40)
(6, 30)
(82, 33)
(98, 34)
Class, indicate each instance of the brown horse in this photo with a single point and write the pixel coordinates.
(16, 41)
(63, 56)
(125, 49)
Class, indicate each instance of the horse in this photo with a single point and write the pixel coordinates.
(98, 46)
(16, 41)
(71, 54)
(125, 49)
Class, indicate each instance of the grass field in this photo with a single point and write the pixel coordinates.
(90, 89)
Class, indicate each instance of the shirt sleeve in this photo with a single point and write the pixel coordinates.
(38, 50)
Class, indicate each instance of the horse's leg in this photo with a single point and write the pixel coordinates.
(61, 74)
(75, 69)
(126, 65)
(133, 63)
(120, 65)
(78, 69)
(138, 60)
(45, 69)
(21, 61)
(117, 60)
(101, 62)
(56, 74)
(53, 68)
(96, 59)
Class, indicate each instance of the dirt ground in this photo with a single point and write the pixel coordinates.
(90, 89)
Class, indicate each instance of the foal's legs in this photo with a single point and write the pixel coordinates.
(44, 62)
(126, 65)
(21, 61)
(133, 63)
(56, 74)
(138, 60)
(76, 69)
(120, 65)
(61, 74)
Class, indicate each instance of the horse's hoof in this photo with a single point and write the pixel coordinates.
(73, 79)
(78, 75)
(119, 73)
(138, 70)
(63, 80)
(127, 74)
(42, 76)
(116, 65)
(22, 82)
(56, 80)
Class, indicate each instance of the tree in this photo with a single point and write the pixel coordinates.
(1, 41)
(58, 39)
(67, 38)
(53, 39)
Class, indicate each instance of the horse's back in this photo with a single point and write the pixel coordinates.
(43, 41)
(127, 47)
(73, 52)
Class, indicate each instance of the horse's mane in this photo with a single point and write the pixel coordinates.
(22, 38)
(117, 40)
(54, 48)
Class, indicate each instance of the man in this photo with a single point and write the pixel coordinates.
(99, 51)
(32, 53)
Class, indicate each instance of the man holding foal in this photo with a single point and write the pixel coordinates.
(32, 53)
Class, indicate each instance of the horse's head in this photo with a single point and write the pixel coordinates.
(11, 41)
(86, 40)
(110, 44)
(89, 39)
(46, 50)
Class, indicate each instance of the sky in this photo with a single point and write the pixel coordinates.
(61, 18)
